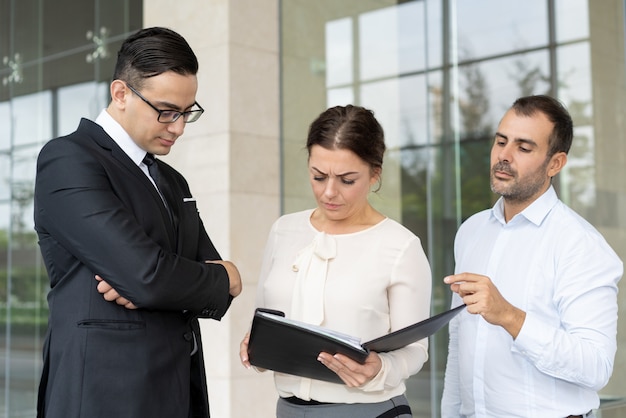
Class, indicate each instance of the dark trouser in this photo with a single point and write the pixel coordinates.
(296, 408)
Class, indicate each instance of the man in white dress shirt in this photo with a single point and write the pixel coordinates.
(538, 338)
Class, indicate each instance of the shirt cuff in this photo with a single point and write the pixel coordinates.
(378, 382)
(533, 338)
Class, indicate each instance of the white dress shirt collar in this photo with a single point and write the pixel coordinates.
(536, 212)
(120, 136)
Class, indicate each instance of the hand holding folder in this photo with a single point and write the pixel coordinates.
(292, 347)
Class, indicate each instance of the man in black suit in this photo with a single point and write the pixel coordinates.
(128, 345)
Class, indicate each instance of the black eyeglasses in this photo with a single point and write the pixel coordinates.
(171, 116)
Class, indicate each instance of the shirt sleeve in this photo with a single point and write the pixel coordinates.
(580, 346)
(409, 302)
(266, 265)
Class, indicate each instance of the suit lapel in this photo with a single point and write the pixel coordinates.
(98, 134)
(106, 142)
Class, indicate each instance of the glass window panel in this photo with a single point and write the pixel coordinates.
(5, 37)
(30, 78)
(392, 41)
(378, 44)
(339, 56)
(84, 100)
(572, 20)
(22, 47)
(5, 180)
(401, 107)
(6, 51)
(118, 17)
(23, 184)
(578, 178)
(574, 75)
(493, 27)
(114, 20)
(25, 305)
(411, 37)
(70, 53)
(69, 69)
(474, 164)
(435, 106)
(488, 88)
(32, 118)
(340, 96)
(5, 126)
(66, 37)
(4, 226)
(434, 41)
(383, 98)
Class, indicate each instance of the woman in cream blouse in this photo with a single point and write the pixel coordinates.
(347, 267)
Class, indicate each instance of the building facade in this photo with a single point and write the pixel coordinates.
(437, 73)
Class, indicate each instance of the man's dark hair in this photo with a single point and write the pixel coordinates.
(563, 131)
(153, 51)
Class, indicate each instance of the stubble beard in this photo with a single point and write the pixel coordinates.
(518, 189)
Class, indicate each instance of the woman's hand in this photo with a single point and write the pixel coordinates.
(243, 351)
(351, 372)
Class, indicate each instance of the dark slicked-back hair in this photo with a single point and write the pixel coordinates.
(353, 128)
(153, 51)
(563, 131)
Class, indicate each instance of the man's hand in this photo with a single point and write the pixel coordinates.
(233, 276)
(111, 294)
(482, 297)
(351, 372)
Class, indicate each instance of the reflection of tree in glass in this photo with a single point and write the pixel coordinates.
(26, 306)
(475, 135)
(474, 103)
(527, 78)
(581, 182)
(21, 196)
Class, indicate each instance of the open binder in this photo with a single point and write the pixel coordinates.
(289, 346)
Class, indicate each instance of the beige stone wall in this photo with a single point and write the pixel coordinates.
(231, 159)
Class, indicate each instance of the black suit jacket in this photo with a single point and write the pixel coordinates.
(96, 212)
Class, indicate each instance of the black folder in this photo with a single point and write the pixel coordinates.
(292, 347)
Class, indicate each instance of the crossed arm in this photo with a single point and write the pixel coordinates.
(111, 295)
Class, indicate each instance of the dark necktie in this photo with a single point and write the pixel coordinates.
(153, 169)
